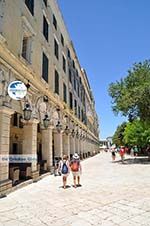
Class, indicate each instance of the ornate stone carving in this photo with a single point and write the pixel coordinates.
(54, 117)
(38, 107)
(41, 107)
(6, 77)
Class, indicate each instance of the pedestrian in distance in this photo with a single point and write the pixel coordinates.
(113, 154)
(132, 152)
(56, 166)
(76, 169)
(122, 153)
(136, 151)
(64, 168)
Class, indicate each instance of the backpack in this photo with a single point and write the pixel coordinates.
(64, 168)
(75, 166)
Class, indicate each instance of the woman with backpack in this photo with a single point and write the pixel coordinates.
(64, 168)
(76, 169)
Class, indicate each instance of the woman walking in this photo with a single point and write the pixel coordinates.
(64, 168)
(113, 154)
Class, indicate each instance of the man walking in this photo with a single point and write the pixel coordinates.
(76, 169)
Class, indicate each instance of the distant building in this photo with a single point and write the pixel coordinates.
(109, 141)
(103, 144)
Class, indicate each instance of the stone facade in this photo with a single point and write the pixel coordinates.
(36, 49)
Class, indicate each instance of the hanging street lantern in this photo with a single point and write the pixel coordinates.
(46, 121)
(67, 130)
(59, 127)
(27, 112)
(73, 132)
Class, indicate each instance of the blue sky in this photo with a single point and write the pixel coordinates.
(109, 36)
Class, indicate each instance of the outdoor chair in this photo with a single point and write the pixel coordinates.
(14, 174)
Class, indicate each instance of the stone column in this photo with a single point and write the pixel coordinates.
(83, 141)
(77, 145)
(58, 144)
(81, 148)
(30, 143)
(72, 145)
(86, 148)
(66, 144)
(5, 116)
(47, 146)
(78, 142)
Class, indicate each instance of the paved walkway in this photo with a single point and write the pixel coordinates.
(112, 194)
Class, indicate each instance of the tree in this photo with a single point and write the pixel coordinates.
(137, 133)
(119, 135)
(131, 95)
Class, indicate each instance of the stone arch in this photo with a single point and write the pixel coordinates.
(17, 106)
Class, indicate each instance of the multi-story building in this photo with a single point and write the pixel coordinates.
(57, 116)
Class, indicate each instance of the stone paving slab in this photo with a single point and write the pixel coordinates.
(112, 194)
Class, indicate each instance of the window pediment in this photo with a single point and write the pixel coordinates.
(28, 29)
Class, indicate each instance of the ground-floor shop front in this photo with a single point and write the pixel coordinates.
(28, 138)
(39, 126)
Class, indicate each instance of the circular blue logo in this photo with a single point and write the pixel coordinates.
(17, 90)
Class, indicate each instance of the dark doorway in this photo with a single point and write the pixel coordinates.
(39, 153)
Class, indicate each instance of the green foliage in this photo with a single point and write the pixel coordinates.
(131, 95)
(119, 135)
(137, 133)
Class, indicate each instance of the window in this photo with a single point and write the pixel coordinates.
(30, 5)
(75, 87)
(45, 67)
(62, 40)
(64, 63)
(64, 93)
(45, 28)
(82, 115)
(56, 49)
(73, 64)
(56, 82)
(26, 48)
(69, 53)
(83, 97)
(54, 22)
(70, 100)
(77, 73)
(75, 107)
(45, 2)
(81, 94)
(70, 76)
(78, 90)
(80, 80)
(79, 112)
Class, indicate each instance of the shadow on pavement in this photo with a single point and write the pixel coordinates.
(67, 186)
(136, 160)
